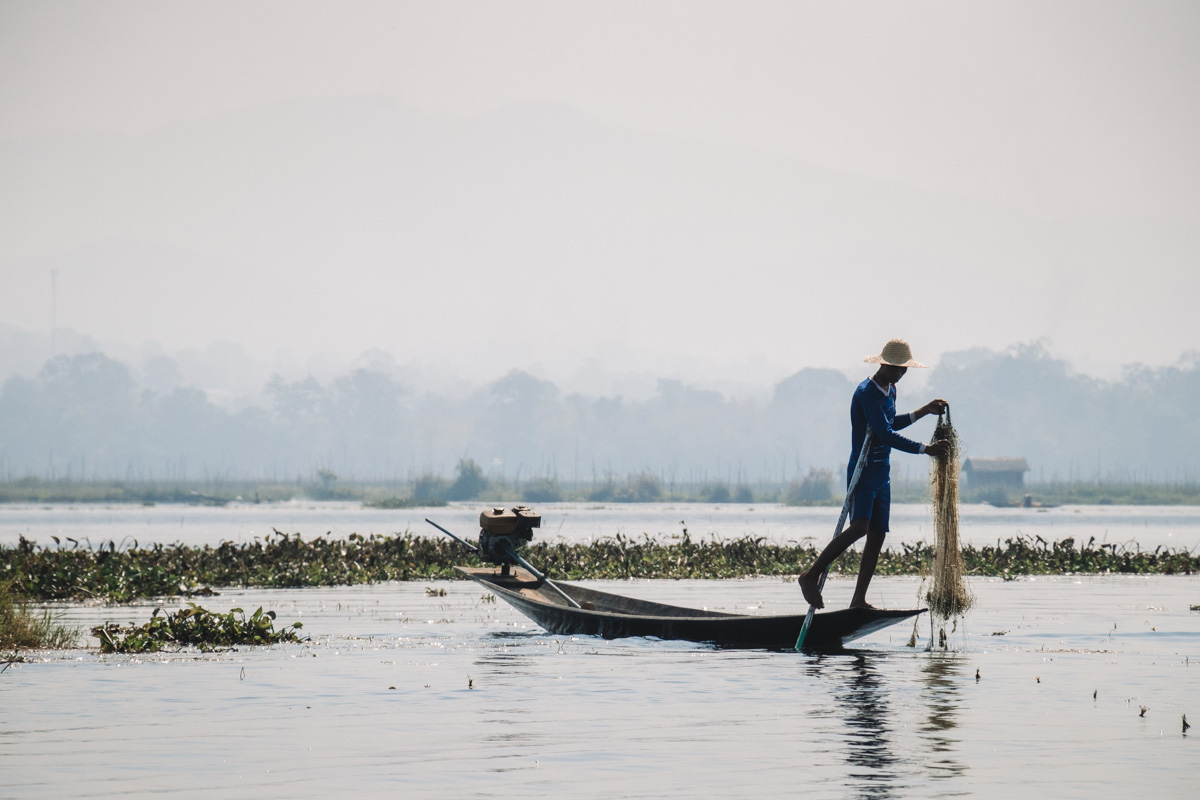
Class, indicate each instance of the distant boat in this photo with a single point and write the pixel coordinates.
(614, 616)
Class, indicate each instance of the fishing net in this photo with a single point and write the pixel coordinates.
(948, 596)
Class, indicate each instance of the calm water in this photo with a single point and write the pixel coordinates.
(1147, 526)
(485, 704)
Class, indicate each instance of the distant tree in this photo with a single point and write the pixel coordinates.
(93, 375)
(817, 487)
(80, 410)
(366, 417)
(326, 487)
(302, 433)
(643, 488)
(519, 418)
(161, 374)
(542, 490)
(86, 416)
(1023, 402)
(183, 424)
(470, 482)
(809, 414)
(675, 394)
(602, 492)
(429, 487)
(715, 493)
(297, 404)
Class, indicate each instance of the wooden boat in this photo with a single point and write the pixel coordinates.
(614, 616)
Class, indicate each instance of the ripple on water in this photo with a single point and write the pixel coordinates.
(485, 703)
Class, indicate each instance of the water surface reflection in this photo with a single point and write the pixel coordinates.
(875, 769)
(941, 676)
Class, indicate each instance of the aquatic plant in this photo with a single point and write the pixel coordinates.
(123, 574)
(24, 628)
(194, 626)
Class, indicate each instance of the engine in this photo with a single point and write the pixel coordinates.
(502, 531)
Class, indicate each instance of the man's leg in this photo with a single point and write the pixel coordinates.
(810, 580)
(866, 569)
(881, 511)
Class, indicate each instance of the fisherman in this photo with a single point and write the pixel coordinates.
(873, 408)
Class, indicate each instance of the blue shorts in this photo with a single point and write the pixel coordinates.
(873, 503)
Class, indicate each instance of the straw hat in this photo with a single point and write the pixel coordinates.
(897, 353)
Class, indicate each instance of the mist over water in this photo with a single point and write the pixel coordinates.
(544, 240)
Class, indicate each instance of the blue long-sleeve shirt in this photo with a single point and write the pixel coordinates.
(872, 408)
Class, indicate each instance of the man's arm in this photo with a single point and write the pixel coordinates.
(932, 407)
(877, 420)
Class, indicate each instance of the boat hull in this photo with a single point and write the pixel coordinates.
(616, 616)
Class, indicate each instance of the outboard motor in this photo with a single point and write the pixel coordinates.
(501, 532)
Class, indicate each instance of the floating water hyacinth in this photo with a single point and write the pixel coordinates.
(124, 574)
(949, 596)
(195, 626)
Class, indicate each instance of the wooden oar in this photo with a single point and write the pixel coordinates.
(472, 547)
(858, 468)
(511, 552)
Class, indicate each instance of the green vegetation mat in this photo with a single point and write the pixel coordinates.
(196, 626)
(123, 575)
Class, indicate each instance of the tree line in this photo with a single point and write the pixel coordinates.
(86, 417)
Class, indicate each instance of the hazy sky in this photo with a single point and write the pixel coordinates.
(725, 189)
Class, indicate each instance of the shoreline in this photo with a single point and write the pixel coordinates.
(399, 494)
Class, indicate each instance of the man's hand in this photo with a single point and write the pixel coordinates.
(938, 406)
(937, 449)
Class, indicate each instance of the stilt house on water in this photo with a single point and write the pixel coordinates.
(995, 473)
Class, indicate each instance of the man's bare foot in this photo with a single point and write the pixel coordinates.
(863, 604)
(808, 585)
